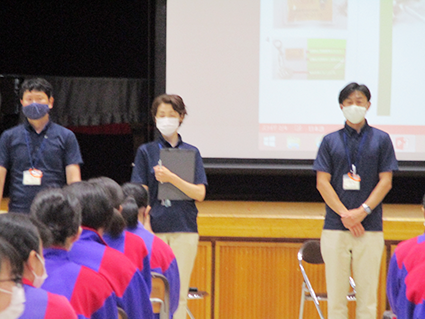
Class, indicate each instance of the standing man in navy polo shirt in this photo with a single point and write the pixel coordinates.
(354, 173)
(37, 153)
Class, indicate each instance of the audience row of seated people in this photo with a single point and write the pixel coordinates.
(83, 253)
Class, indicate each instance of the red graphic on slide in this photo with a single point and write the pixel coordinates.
(400, 143)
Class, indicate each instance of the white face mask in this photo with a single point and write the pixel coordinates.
(39, 280)
(16, 306)
(167, 125)
(353, 113)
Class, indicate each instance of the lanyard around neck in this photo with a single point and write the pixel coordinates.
(33, 161)
(347, 150)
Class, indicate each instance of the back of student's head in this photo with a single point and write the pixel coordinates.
(138, 192)
(116, 225)
(9, 257)
(130, 212)
(60, 211)
(36, 84)
(96, 209)
(21, 233)
(113, 189)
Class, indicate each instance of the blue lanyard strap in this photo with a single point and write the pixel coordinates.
(40, 149)
(347, 151)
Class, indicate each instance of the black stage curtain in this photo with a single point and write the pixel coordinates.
(99, 101)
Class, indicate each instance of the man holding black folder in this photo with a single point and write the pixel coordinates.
(174, 175)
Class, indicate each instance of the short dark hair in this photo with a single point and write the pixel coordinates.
(138, 192)
(350, 88)
(112, 188)
(59, 211)
(21, 233)
(8, 254)
(175, 100)
(36, 84)
(96, 208)
(130, 212)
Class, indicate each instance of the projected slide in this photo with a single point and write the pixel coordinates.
(261, 78)
(310, 49)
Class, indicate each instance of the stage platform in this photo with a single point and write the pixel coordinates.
(293, 220)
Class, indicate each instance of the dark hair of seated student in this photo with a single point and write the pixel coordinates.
(60, 212)
(96, 209)
(116, 225)
(138, 192)
(21, 233)
(112, 188)
(130, 212)
(9, 256)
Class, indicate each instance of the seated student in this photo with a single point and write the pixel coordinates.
(91, 250)
(88, 292)
(12, 294)
(129, 244)
(403, 279)
(23, 235)
(161, 255)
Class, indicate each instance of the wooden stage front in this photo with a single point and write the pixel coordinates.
(247, 256)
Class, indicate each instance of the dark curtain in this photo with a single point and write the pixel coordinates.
(99, 101)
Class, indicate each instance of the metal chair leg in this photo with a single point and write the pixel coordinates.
(302, 302)
(189, 313)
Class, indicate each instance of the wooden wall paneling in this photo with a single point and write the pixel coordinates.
(256, 280)
(263, 280)
(202, 279)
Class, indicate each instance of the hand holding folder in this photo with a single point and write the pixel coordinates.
(182, 163)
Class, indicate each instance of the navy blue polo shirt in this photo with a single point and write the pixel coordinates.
(51, 151)
(375, 155)
(181, 215)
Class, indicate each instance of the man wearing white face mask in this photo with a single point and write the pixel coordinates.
(19, 231)
(173, 221)
(354, 173)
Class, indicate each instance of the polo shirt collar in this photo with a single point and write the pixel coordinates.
(353, 132)
(168, 145)
(29, 127)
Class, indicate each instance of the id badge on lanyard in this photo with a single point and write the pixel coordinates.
(33, 176)
(351, 180)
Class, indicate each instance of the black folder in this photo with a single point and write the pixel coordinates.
(182, 163)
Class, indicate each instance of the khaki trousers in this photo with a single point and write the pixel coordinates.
(342, 252)
(185, 247)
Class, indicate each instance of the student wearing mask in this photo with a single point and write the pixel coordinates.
(37, 153)
(12, 294)
(21, 233)
(89, 293)
(174, 221)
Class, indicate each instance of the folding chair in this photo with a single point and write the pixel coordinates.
(160, 296)
(122, 314)
(194, 293)
(310, 253)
